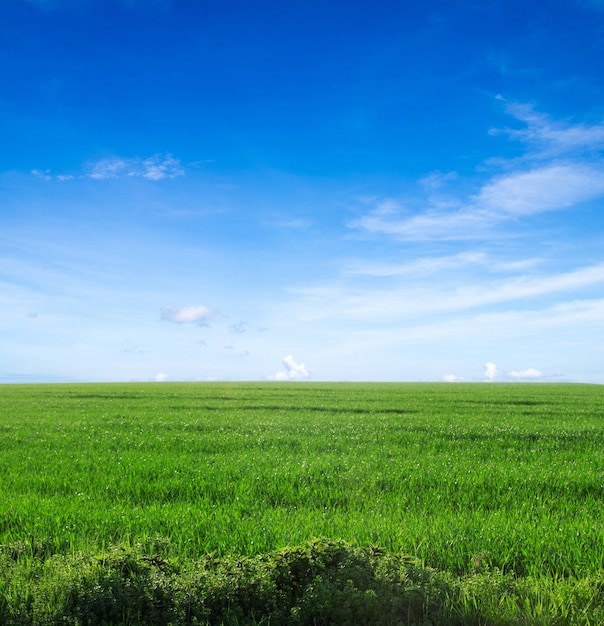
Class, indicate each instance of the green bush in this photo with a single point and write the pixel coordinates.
(319, 583)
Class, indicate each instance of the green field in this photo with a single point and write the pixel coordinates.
(498, 480)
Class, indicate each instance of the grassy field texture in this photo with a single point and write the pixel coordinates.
(468, 478)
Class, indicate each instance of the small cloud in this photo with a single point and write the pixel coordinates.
(161, 377)
(436, 180)
(490, 371)
(195, 314)
(32, 315)
(108, 168)
(528, 374)
(156, 167)
(451, 378)
(293, 370)
(42, 174)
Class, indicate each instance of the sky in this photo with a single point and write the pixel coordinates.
(194, 190)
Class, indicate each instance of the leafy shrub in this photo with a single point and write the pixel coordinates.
(319, 583)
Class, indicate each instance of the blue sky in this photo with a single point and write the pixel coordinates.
(379, 191)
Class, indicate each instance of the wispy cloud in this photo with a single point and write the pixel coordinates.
(547, 138)
(48, 175)
(560, 169)
(238, 329)
(429, 265)
(156, 167)
(501, 199)
(153, 168)
(542, 189)
(198, 314)
(403, 301)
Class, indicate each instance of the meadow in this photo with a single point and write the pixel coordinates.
(499, 487)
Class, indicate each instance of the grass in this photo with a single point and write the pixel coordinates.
(494, 488)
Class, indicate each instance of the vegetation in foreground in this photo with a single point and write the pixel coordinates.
(319, 582)
(497, 487)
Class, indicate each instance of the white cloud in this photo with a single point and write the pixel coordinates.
(161, 377)
(431, 224)
(560, 169)
(407, 300)
(424, 265)
(501, 327)
(539, 190)
(530, 373)
(501, 199)
(437, 180)
(194, 314)
(42, 174)
(108, 168)
(490, 371)
(292, 371)
(547, 138)
(156, 167)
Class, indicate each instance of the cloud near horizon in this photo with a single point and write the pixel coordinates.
(492, 373)
(292, 371)
(527, 374)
